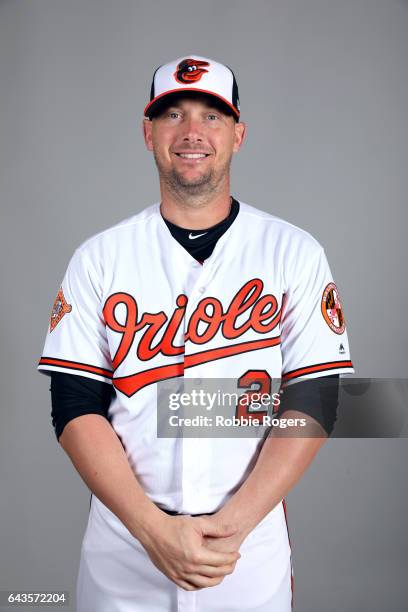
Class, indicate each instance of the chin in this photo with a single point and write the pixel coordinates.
(196, 179)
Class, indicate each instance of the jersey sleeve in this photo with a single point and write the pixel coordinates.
(314, 339)
(74, 396)
(76, 340)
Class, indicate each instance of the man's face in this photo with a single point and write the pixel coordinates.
(193, 142)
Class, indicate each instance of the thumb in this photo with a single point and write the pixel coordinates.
(218, 529)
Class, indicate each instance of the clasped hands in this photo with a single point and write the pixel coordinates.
(194, 552)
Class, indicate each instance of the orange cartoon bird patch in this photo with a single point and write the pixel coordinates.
(190, 70)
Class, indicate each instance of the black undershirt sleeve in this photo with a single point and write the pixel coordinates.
(73, 396)
(315, 397)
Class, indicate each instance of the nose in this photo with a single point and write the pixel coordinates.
(192, 130)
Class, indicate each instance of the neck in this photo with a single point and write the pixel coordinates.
(200, 211)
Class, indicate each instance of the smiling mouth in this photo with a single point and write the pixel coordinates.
(193, 155)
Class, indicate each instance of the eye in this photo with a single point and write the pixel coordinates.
(173, 114)
(212, 116)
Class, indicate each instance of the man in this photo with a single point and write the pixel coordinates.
(195, 287)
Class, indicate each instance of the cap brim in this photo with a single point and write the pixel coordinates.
(160, 100)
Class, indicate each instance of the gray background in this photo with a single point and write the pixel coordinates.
(324, 92)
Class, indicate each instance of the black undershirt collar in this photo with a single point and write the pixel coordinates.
(200, 243)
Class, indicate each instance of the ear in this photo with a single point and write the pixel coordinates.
(239, 136)
(147, 133)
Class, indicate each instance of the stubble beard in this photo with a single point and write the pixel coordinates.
(207, 184)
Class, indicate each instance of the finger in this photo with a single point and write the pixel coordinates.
(217, 558)
(187, 586)
(213, 572)
(217, 529)
(219, 545)
(203, 581)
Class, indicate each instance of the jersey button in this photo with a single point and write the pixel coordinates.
(201, 289)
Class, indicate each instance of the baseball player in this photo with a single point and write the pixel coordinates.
(197, 286)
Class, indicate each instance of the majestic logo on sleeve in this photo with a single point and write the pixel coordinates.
(59, 309)
(332, 309)
(190, 71)
(248, 310)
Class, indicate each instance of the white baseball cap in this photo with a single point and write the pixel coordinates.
(194, 73)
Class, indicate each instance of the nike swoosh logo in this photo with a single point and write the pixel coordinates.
(196, 236)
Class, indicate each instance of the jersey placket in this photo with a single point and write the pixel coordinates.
(196, 452)
(196, 455)
(186, 600)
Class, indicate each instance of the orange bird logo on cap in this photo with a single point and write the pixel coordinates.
(190, 70)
